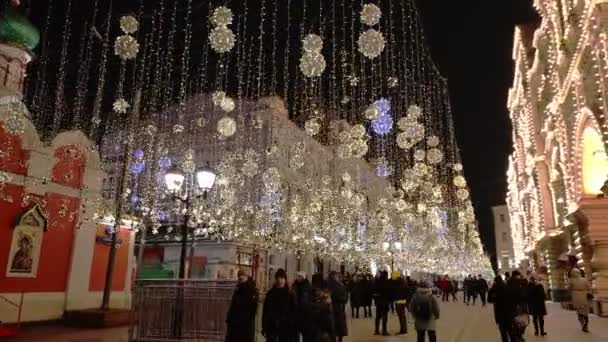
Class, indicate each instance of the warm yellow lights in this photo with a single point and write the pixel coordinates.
(594, 162)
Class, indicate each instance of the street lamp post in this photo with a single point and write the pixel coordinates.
(174, 180)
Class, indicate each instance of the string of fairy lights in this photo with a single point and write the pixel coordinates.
(194, 83)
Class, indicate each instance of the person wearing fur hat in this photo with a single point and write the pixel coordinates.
(240, 320)
(425, 309)
(279, 313)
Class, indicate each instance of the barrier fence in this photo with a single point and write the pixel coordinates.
(167, 310)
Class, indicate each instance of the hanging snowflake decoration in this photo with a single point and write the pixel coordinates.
(419, 155)
(128, 24)
(434, 156)
(312, 64)
(312, 44)
(226, 126)
(228, 105)
(14, 124)
(250, 168)
(126, 47)
(433, 141)
(352, 80)
(121, 106)
(272, 179)
(370, 14)
(222, 16)
(222, 39)
(371, 43)
(312, 127)
(359, 148)
(178, 128)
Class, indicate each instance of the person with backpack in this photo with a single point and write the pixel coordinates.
(425, 309)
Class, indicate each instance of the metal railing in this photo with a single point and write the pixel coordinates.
(166, 310)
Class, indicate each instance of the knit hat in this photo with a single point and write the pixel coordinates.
(280, 274)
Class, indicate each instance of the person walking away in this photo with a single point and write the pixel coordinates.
(240, 320)
(444, 288)
(536, 305)
(474, 288)
(279, 312)
(339, 297)
(454, 289)
(356, 296)
(303, 293)
(581, 295)
(382, 298)
(498, 296)
(367, 295)
(400, 295)
(467, 289)
(425, 309)
(517, 307)
(482, 287)
(322, 319)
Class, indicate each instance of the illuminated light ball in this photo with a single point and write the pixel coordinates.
(126, 47)
(138, 153)
(128, 24)
(137, 167)
(357, 131)
(228, 105)
(359, 148)
(222, 39)
(414, 111)
(371, 113)
(433, 141)
(312, 44)
(404, 141)
(121, 106)
(312, 127)
(344, 151)
(462, 194)
(460, 181)
(312, 64)
(345, 100)
(421, 169)
(226, 126)
(434, 156)
(14, 124)
(250, 168)
(346, 177)
(383, 170)
(344, 136)
(457, 167)
(371, 43)
(218, 97)
(400, 205)
(326, 179)
(419, 155)
(383, 203)
(370, 14)
(384, 123)
(222, 16)
(164, 162)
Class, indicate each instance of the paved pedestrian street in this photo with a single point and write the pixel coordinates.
(458, 323)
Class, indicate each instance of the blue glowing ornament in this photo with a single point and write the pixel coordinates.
(134, 198)
(138, 153)
(137, 167)
(164, 162)
(383, 169)
(384, 123)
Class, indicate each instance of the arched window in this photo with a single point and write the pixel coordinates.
(594, 162)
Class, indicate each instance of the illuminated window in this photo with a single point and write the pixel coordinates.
(594, 162)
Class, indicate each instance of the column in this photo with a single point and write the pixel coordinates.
(553, 249)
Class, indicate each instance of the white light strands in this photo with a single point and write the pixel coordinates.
(312, 62)
(221, 38)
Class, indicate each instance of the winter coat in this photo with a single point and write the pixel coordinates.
(482, 285)
(536, 300)
(368, 292)
(399, 291)
(499, 297)
(278, 316)
(381, 292)
(303, 292)
(339, 297)
(322, 318)
(357, 294)
(240, 320)
(425, 295)
(580, 289)
(517, 302)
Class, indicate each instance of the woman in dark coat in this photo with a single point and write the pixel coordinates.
(536, 306)
(356, 296)
(339, 297)
(498, 296)
(278, 317)
(240, 320)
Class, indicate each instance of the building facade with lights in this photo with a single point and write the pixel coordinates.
(504, 243)
(559, 167)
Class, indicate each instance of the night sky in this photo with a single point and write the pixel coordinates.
(471, 43)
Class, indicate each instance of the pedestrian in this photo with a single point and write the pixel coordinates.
(303, 293)
(482, 289)
(322, 319)
(368, 295)
(382, 299)
(498, 296)
(356, 296)
(278, 316)
(240, 320)
(536, 305)
(339, 297)
(444, 287)
(454, 289)
(517, 306)
(580, 290)
(400, 289)
(425, 309)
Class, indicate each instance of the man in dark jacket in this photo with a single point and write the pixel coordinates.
(482, 289)
(536, 306)
(339, 297)
(382, 298)
(278, 316)
(516, 303)
(240, 320)
(498, 296)
(357, 295)
(399, 293)
(303, 292)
